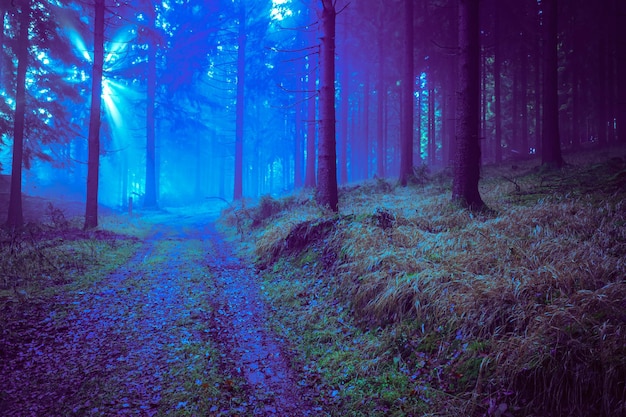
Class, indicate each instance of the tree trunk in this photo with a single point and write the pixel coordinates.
(406, 140)
(366, 127)
(467, 161)
(309, 176)
(345, 111)
(432, 140)
(15, 216)
(380, 141)
(551, 140)
(327, 165)
(93, 159)
(150, 196)
(298, 148)
(620, 57)
(240, 109)
(497, 86)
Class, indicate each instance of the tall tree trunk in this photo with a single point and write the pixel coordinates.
(551, 140)
(538, 85)
(497, 85)
(298, 157)
(406, 128)
(309, 176)
(345, 111)
(327, 165)
(524, 99)
(380, 102)
(366, 127)
(240, 106)
(432, 131)
(93, 159)
(150, 196)
(15, 216)
(467, 161)
(620, 58)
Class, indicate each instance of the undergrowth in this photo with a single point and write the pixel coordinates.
(38, 258)
(405, 304)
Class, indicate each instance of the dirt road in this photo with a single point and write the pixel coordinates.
(179, 330)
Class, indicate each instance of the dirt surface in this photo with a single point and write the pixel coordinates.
(180, 329)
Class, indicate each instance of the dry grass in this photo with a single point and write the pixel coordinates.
(539, 281)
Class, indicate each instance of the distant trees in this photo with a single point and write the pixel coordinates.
(234, 99)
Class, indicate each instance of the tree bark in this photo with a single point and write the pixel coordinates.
(93, 159)
(497, 86)
(309, 176)
(150, 195)
(467, 161)
(406, 139)
(344, 116)
(551, 140)
(380, 102)
(15, 216)
(240, 108)
(327, 165)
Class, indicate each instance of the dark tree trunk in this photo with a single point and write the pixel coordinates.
(551, 141)
(240, 106)
(467, 161)
(538, 74)
(432, 140)
(298, 157)
(620, 57)
(366, 127)
(93, 159)
(150, 196)
(380, 141)
(345, 111)
(327, 165)
(15, 216)
(406, 138)
(309, 177)
(524, 100)
(497, 85)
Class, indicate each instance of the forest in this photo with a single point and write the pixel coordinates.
(330, 207)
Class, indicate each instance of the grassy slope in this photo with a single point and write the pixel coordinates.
(407, 305)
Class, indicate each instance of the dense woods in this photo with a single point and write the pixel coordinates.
(329, 207)
(226, 100)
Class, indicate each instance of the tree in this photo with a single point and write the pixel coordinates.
(406, 140)
(551, 140)
(93, 163)
(240, 101)
(150, 197)
(467, 160)
(15, 216)
(327, 164)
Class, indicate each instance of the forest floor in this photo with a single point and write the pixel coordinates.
(176, 328)
(401, 304)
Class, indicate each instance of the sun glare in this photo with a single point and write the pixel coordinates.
(78, 43)
(110, 93)
(280, 9)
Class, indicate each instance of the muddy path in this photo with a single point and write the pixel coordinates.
(180, 329)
